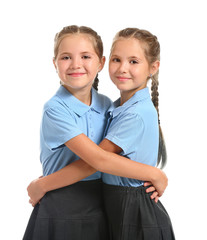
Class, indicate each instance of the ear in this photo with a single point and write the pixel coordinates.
(155, 67)
(102, 63)
(54, 63)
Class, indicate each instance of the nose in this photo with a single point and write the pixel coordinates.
(75, 63)
(123, 67)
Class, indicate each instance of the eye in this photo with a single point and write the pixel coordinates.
(115, 60)
(86, 57)
(66, 58)
(133, 62)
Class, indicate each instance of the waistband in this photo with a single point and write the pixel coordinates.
(124, 189)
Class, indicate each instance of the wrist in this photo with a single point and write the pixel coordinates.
(155, 174)
(42, 184)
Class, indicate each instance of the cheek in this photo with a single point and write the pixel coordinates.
(92, 67)
(61, 67)
(134, 72)
(137, 72)
(112, 69)
(111, 73)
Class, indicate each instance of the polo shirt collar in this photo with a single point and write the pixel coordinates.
(97, 104)
(140, 95)
(76, 105)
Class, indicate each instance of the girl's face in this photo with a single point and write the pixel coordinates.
(77, 63)
(128, 67)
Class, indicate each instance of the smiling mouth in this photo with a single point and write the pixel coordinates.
(76, 74)
(123, 79)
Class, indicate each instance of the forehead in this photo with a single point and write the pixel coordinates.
(128, 47)
(80, 41)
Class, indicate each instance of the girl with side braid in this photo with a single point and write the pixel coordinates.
(135, 129)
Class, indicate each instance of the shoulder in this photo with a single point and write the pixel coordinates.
(140, 112)
(128, 119)
(145, 112)
(54, 104)
(102, 101)
(145, 108)
(141, 103)
(60, 99)
(56, 110)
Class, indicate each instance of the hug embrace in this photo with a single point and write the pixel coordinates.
(99, 158)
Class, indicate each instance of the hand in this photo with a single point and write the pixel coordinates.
(159, 181)
(31, 202)
(152, 189)
(35, 191)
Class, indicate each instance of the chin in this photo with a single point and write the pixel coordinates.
(123, 88)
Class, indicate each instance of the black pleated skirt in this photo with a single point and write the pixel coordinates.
(132, 215)
(73, 213)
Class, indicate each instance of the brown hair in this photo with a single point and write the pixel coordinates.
(73, 29)
(151, 49)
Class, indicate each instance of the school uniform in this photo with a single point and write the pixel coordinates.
(74, 212)
(132, 215)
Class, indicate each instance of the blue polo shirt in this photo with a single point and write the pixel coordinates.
(134, 128)
(65, 117)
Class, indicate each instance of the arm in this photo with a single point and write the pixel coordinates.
(106, 161)
(102, 158)
(68, 175)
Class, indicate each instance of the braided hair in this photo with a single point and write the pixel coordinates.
(151, 49)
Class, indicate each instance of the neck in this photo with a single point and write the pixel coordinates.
(84, 95)
(126, 95)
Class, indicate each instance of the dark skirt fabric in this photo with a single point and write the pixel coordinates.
(132, 215)
(73, 213)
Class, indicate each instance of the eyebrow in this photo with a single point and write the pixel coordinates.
(134, 57)
(114, 55)
(87, 53)
(63, 53)
(131, 57)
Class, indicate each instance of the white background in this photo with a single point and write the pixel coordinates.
(28, 79)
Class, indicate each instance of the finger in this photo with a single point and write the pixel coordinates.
(31, 202)
(146, 184)
(154, 195)
(150, 189)
(160, 193)
(157, 199)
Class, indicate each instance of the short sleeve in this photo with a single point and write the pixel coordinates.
(58, 127)
(125, 131)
